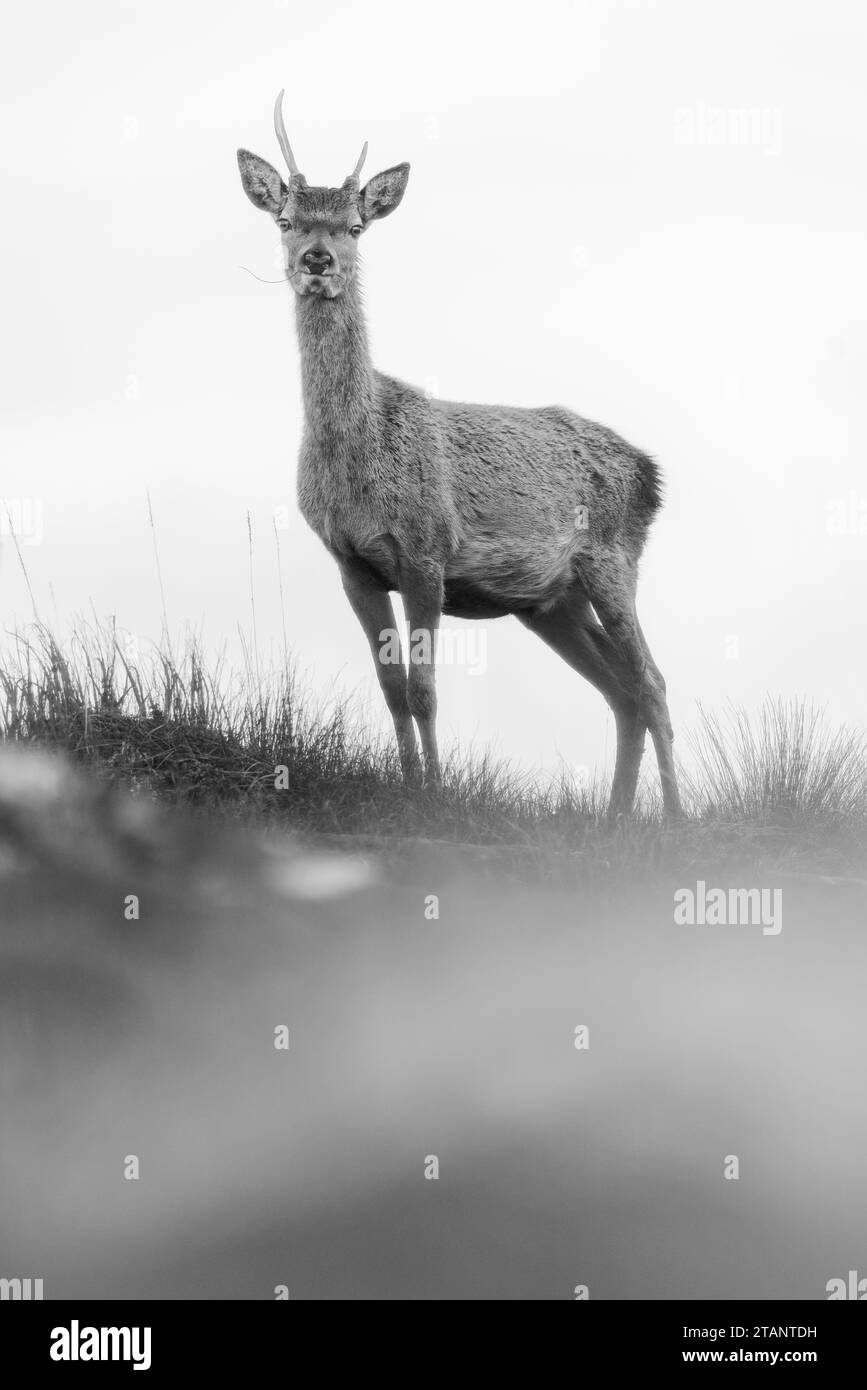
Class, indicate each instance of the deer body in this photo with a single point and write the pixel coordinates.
(489, 492)
(473, 510)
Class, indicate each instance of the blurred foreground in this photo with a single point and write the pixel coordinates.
(410, 1036)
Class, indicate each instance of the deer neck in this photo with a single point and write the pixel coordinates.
(337, 383)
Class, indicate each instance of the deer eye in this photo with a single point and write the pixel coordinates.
(284, 225)
(356, 230)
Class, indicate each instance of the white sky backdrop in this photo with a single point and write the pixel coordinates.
(557, 243)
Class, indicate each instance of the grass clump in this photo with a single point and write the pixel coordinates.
(778, 791)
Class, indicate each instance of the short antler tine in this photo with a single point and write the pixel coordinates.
(282, 137)
(356, 173)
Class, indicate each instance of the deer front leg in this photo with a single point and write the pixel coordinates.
(422, 592)
(373, 608)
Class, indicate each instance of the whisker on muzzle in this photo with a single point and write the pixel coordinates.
(284, 281)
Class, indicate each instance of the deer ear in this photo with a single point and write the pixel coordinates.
(382, 194)
(262, 184)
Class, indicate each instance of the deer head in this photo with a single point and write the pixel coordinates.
(320, 227)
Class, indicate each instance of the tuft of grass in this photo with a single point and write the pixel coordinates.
(779, 791)
(782, 765)
(221, 739)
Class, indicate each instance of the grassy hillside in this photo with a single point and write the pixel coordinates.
(776, 791)
(151, 952)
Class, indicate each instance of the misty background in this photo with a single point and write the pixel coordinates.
(653, 213)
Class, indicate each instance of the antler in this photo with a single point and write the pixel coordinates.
(283, 138)
(356, 173)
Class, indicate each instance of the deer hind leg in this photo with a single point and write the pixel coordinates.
(373, 608)
(572, 631)
(663, 737)
(610, 582)
(421, 588)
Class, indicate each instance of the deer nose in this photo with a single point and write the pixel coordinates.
(317, 260)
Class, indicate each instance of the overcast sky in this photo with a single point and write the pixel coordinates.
(697, 172)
